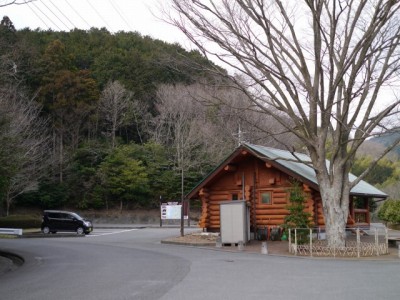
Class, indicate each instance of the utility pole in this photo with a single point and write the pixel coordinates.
(182, 191)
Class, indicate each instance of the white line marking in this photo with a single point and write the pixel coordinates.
(109, 233)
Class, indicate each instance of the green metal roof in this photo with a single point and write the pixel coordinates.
(285, 159)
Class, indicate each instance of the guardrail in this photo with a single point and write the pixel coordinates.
(11, 231)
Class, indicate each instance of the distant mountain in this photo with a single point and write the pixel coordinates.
(377, 145)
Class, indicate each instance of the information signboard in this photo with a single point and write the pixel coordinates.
(172, 211)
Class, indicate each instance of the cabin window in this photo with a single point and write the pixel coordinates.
(235, 197)
(360, 202)
(266, 198)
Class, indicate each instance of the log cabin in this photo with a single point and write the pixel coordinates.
(262, 176)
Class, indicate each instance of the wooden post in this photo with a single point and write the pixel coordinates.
(376, 242)
(264, 248)
(188, 213)
(387, 240)
(182, 219)
(310, 242)
(160, 211)
(290, 240)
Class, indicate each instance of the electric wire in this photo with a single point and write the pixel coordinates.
(107, 25)
(52, 11)
(54, 14)
(73, 25)
(78, 14)
(33, 3)
(34, 12)
(116, 8)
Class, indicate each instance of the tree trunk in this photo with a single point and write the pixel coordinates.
(182, 195)
(8, 203)
(335, 201)
(61, 157)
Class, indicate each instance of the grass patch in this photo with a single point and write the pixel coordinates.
(7, 236)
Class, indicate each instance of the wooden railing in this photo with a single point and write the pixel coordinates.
(361, 216)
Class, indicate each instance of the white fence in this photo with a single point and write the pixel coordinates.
(12, 231)
(359, 243)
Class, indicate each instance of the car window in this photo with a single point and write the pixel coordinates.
(54, 215)
(66, 216)
(76, 216)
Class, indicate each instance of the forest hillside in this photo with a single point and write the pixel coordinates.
(91, 120)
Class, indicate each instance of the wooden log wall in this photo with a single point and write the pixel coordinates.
(204, 218)
(260, 176)
(274, 213)
(265, 214)
(211, 200)
(320, 213)
(260, 214)
(215, 198)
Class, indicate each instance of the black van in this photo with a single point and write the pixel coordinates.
(58, 220)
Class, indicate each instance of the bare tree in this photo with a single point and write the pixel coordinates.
(24, 149)
(114, 103)
(232, 115)
(217, 123)
(178, 110)
(178, 126)
(328, 66)
(15, 2)
(118, 108)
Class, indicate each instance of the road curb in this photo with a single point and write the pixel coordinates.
(187, 243)
(10, 261)
(49, 236)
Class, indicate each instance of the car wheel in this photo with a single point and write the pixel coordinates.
(79, 230)
(46, 230)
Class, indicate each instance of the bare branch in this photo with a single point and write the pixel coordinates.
(16, 2)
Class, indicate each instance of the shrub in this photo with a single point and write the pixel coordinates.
(390, 211)
(20, 221)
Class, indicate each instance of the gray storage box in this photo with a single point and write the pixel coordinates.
(234, 218)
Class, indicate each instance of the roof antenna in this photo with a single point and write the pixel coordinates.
(240, 136)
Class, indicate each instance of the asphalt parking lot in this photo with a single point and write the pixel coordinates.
(132, 263)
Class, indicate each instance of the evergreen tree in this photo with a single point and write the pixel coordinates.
(298, 218)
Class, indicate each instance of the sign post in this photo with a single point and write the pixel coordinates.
(172, 211)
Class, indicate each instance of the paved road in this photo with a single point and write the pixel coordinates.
(134, 265)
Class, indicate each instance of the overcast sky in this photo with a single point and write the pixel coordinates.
(115, 15)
